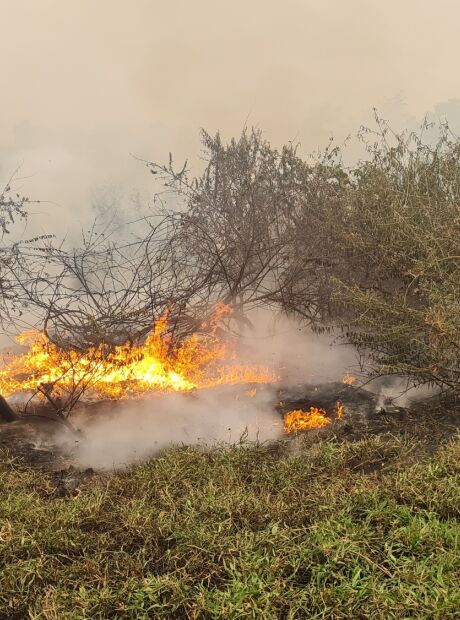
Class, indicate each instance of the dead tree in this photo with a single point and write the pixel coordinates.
(255, 229)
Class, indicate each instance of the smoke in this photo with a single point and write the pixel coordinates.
(118, 434)
(298, 355)
(135, 431)
(399, 391)
(76, 103)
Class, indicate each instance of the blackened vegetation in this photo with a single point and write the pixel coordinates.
(6, 412)
(39, 440)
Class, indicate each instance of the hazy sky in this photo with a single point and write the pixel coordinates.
(84, 83)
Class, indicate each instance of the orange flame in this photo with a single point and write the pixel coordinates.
(349, 379)
(128, 371)
(299, 420)
(339, 410)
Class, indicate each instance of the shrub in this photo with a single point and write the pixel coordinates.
(398, 299)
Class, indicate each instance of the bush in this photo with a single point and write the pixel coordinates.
(399, 299)
(373, 250)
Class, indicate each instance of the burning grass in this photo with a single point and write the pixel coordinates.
(315, 417)
(367, 529)
(157, 365)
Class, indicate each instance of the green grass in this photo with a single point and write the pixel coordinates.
(332, 530)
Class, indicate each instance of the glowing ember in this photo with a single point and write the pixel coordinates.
(349, 379)
(299, 420)
(127, 371)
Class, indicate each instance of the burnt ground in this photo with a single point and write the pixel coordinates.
(433, 419)
(31, 439)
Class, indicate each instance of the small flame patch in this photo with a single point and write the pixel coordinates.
(315, 417)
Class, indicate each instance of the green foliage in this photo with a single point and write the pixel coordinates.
(332, 530)
(399, 294)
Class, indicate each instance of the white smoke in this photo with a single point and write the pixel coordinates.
(135, 431)
(297, 354)
(399, 391)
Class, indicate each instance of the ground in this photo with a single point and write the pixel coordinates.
(342, 523)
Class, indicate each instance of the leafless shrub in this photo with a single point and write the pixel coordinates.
(253, 231)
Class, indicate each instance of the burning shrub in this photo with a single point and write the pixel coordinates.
(62, 376)
(373, 249)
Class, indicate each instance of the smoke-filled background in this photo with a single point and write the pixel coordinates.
(86, 84)
(89, 88)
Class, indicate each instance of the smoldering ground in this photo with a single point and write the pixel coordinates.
(118, 433)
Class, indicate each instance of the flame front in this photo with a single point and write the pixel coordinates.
(127, 371)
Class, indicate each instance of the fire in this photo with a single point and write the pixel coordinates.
(125, 371)
(299, 420)
(349, 379)
(339, 410)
